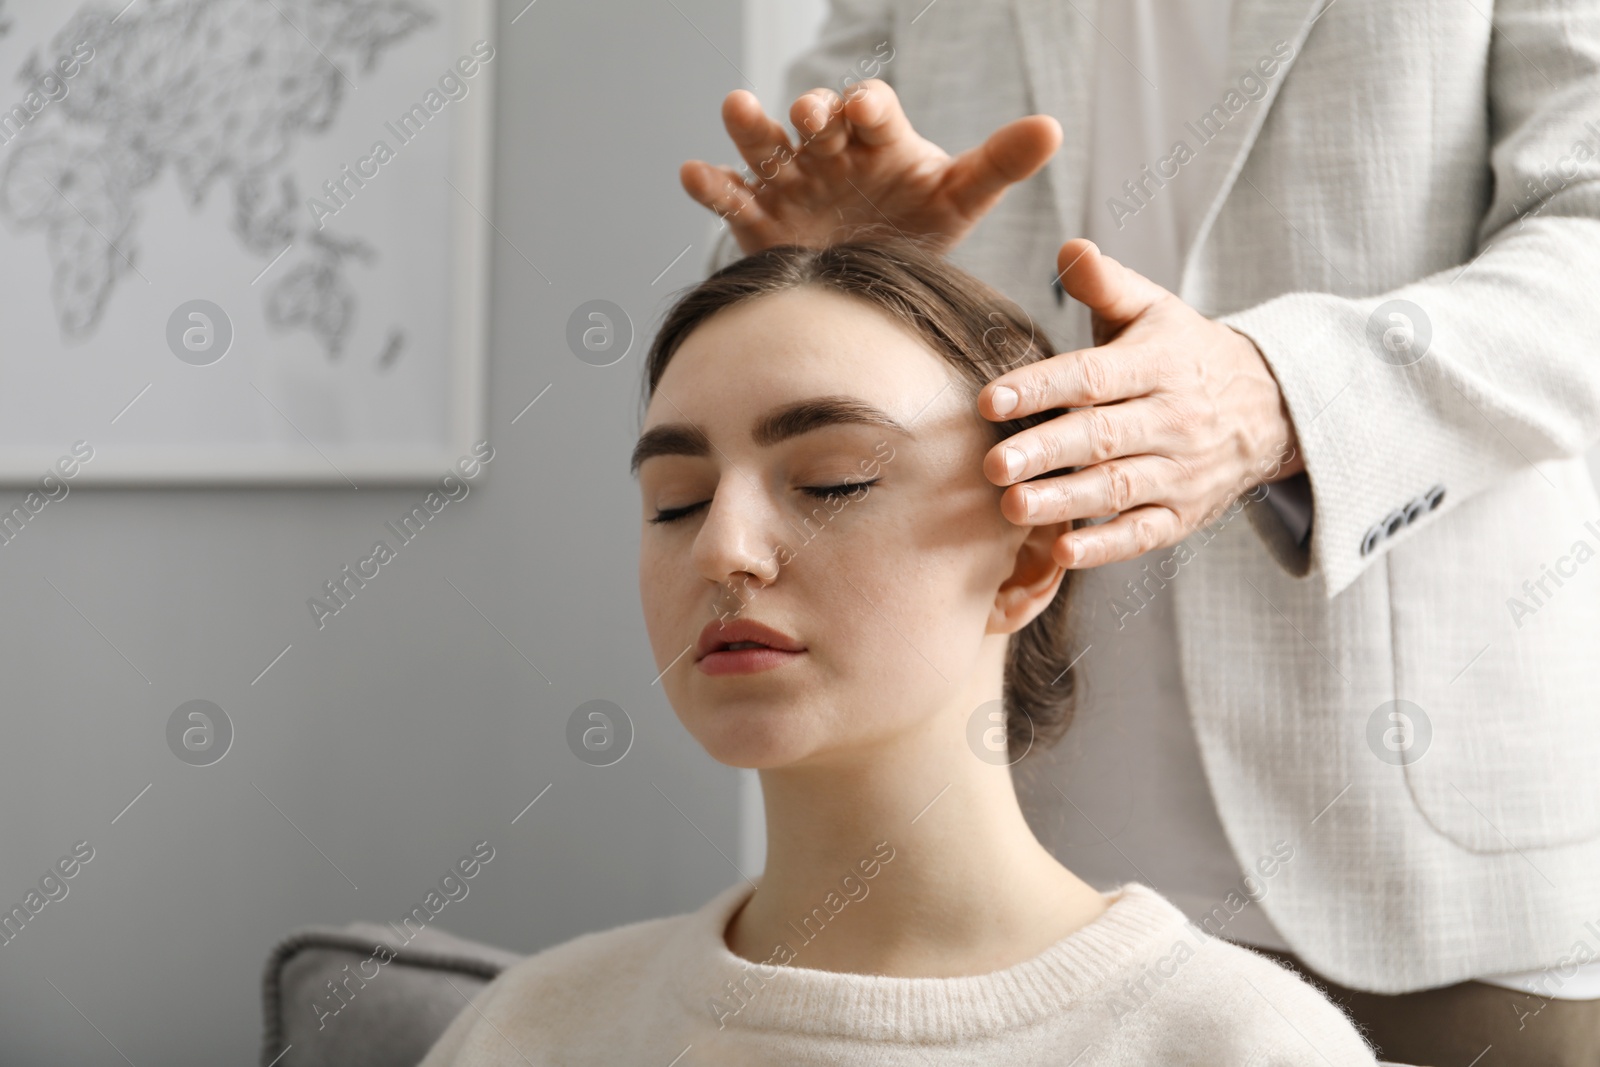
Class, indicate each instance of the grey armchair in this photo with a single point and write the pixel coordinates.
(360, 996)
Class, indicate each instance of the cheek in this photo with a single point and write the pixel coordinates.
(663, 596)
(900, 605)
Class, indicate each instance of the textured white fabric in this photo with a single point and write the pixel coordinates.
(1138, 985)
(1392, 154)
(1155, 59)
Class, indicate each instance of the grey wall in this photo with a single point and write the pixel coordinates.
(408, 728)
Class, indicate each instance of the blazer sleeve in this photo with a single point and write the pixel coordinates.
(851, 34)
(1509, 372)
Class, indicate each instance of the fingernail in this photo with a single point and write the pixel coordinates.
(1004, 400)
(1029, 502)
(1015, 463)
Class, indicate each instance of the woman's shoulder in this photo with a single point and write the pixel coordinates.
(612, 962)
(607, 951)
(1190, 980)
(551, 995)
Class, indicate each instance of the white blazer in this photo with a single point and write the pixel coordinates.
(1390, 156)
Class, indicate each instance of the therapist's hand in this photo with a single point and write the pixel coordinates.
(859, 164)
(1185, 417)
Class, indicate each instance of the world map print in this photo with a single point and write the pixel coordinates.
(211, 93)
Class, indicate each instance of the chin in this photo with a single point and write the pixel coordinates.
(739, 736)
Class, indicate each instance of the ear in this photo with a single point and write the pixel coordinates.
(1032, 583)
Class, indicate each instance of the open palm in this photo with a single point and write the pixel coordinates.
(858, 165)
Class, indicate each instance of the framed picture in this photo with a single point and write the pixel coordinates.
(245, 241)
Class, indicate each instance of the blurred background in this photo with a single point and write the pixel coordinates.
(371, 752)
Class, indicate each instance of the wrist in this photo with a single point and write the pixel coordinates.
(1279, 456)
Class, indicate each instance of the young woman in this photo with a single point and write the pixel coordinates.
(836, 600)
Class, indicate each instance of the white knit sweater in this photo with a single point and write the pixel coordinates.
(1138, 985)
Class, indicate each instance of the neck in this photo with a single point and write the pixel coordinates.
(958, 882)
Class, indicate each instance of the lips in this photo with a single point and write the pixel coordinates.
(718, 635)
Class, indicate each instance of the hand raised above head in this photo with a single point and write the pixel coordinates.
(858, 164)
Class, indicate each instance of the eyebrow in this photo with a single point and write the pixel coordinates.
(779, 424)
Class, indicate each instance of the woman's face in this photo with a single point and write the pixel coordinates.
(887, 589)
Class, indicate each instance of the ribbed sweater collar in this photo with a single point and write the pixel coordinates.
(1137, 920)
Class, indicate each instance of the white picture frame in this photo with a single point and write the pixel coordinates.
(390, 392)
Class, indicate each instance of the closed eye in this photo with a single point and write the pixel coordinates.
(818, 492)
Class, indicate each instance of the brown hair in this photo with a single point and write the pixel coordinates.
(981, 334)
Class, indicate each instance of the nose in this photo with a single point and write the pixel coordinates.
(735, 544)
